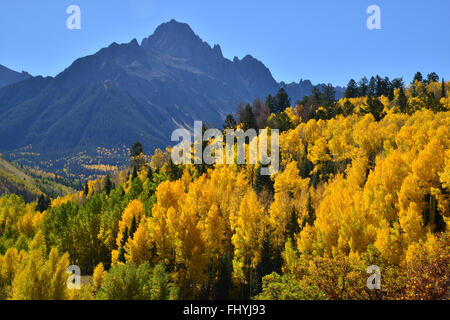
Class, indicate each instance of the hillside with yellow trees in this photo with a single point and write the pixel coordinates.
(363, 181)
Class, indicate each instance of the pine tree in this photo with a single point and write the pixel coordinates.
(125, 235)
(133, 227)
(248, 121)
(372, 89)
(86, 189)
(262, 181)
(43, 203)
(402, 101)
(174, 171)
(443, 91)
(292, 226)
(134, 175)
(224, 283)
(329, 95)
(121, 257)
(418, 77)
(352, 89)
(281, 101)
(265, 266)
(375, 108)
(270, 103)
(136, 150)
(397, 83)
(432, 77)
(230, 122)
(348, 108)
(310, 213)
(108, 185)
(381, 86)
(363, 88)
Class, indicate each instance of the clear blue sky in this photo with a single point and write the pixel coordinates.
(324, 41)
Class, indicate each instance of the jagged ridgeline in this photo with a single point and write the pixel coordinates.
(130, 92)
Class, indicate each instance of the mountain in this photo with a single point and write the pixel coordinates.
(8, 76)
(133, 92)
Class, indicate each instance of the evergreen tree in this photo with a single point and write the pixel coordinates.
(382, 86)
(389, 89)
(230, 123)
(316, 96)
(134, 175)
(264, 267)
(352, 89)
(311, 214)
(174, 172)
(248, 121)
(270, 103)
(432, 77)
(137, 149)
(372, 89)
(418, 77)
(121, 257)
(224, 283)
(281, 122)
(329, 95)
(262, 181)
(363, 87)
(443, 91)
(348, 108)
(281, 101)
(125, 235)
(402, 101)
(292, 226)
(86, 189)
(375, 108)
(133, 227)
(108, 185)
(397, 83)
(43, 203)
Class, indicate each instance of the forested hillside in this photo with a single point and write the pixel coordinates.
(363, 181)
(30, 184)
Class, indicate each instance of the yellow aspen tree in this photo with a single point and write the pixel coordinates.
(390, 242)
(190, 255)
(288, 187)
(248, 237)
(99, 275)
(38, 279)
(383, 186)
(133, 212)
(214, 234)
(139, 248)
(9, 264)
(318, 152)
(411, 222)
(168, 195)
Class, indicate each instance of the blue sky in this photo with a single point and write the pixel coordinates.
(324, 41)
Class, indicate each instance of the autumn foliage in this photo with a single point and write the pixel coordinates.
(353, 190)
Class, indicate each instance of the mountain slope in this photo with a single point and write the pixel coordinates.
(8, 76)
(24, 182)
(132, 92)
